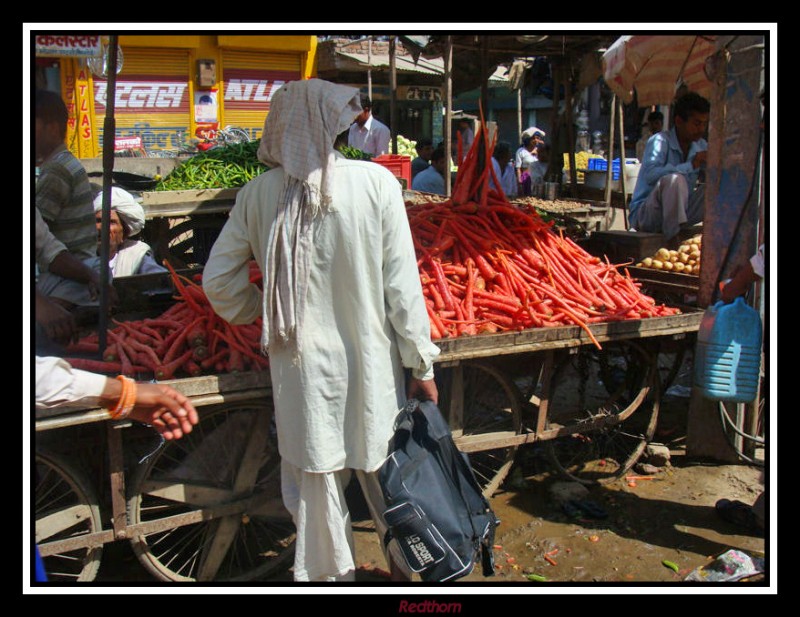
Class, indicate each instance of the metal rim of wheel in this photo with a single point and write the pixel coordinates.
(200, 470)
(614, 416)
(66, 507)
(491, 404)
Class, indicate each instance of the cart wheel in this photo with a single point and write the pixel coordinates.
(230, 456)
(66, 508)
(492, 405)
(606, 402)
(190, 240)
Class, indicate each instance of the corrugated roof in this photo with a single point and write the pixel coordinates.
(406, 64)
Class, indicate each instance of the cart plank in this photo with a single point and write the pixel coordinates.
(188, 202)
(540, 339)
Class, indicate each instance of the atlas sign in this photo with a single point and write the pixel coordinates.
(145, 95)
(251, 90)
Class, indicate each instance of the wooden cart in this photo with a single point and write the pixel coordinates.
(208, 508)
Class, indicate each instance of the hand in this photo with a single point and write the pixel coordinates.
(165, 409)
(424, 390)
(700, 159)
(58, 323)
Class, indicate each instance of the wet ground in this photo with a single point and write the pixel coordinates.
(668, 518)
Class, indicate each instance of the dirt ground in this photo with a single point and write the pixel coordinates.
(670, 517)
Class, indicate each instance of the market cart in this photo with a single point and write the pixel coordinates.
(208, 508)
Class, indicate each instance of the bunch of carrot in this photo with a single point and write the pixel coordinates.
(488, 266)
(188, 339)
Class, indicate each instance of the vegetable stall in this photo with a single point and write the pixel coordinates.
(521, 313)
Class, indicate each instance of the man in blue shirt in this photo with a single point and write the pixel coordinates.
(668, 195)
(431, 180)
(424, 153)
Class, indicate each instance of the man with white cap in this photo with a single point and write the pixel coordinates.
(127, 256)
(343, 312)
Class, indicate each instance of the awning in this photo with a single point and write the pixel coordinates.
(406, 64)
(654, 65)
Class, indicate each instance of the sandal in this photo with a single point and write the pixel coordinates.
(737, 513)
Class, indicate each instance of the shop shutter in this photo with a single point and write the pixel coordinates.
(153, 97)
(249, 78)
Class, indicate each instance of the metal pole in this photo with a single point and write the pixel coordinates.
(109, 131)
(448, 117)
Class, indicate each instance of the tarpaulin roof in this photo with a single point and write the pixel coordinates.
(654, 65)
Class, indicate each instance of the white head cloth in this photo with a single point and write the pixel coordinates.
(128, 209)
(304, 119)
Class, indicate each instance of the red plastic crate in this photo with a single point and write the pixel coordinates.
(398, 164)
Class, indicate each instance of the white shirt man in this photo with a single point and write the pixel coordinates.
(338, 368)
(369, 134)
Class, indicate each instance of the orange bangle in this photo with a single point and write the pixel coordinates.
(127, 399)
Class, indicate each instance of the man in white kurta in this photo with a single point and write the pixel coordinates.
(364, 322)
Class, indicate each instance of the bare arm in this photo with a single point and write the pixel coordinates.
(740, 284)
(164, 408)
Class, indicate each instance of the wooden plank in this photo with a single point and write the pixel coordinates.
(158, 204)
(539, 339)
(203, 390)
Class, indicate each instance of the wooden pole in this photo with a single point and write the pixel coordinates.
(393, 91)
(730, 222)
(369, 68)
(485, 77)
(568, 103)
(622, 163)
(448, 116)
(610, 153)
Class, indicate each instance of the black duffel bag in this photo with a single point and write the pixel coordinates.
(435, 508)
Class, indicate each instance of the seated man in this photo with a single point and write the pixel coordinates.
(668, 195)
(127, 254)
(432, 179)
(423, 161)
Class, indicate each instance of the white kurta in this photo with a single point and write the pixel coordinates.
(365, 318)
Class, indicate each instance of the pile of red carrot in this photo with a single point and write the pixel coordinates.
(487, 265)
(188, 339)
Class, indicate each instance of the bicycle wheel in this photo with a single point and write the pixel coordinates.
(230, 459)
(235, 135)
(492, 409)
(606, 404)
(66, 507)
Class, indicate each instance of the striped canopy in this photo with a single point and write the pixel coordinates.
(655, 65)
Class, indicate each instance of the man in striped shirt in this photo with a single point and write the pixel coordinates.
(63, 197)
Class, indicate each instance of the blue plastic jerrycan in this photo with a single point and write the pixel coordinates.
(728, 353)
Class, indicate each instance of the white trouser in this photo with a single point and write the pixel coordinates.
(324, 548)
(669, 206)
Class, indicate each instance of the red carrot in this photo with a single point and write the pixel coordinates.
(167, 369)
